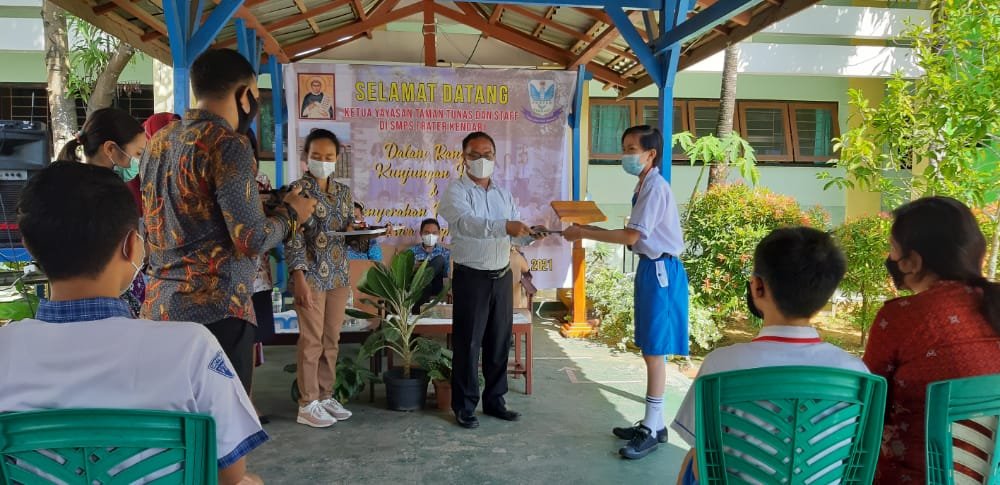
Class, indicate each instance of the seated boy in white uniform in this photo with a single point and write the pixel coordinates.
(83, 350)
(795, 272)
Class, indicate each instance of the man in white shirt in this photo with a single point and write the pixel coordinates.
(482, 219)
(83, 350)
(796, 271)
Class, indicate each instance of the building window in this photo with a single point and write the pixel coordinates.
(779, 131)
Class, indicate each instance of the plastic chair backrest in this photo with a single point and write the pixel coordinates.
(789, 425)
(962, 445)
(107, 446)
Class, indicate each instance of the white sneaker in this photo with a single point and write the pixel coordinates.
(335, 409)
(314, 415)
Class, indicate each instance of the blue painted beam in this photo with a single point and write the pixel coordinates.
(175, 13)
(632, 4)
(582, 77)
(202, 38)
(689, 29)
(642, 51)
(280, 118)
(674, 13)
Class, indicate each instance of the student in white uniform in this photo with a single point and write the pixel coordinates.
(661, 284)
(795, 272)
(83, 349)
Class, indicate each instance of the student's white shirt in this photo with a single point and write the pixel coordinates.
(775, 346)
(128, 364)
(656, 218)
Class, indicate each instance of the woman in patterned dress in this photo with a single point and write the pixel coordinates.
(317, 260)
(948, 328)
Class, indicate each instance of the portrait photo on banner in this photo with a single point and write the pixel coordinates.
(317, 100)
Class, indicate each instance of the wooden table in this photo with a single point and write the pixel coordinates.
(439, 322)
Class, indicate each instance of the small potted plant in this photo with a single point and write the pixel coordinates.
(438, 365)
(395, 289)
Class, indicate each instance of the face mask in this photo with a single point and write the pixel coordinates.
(138, 269)
(429, 240)
(481, 168)
(243, 126)
(133, 166)
(322, 170)
(751, 306)
(898, 276)
(632, 164)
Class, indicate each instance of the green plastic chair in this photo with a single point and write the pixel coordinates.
(964, 410)
(789, 425)
(107, 447)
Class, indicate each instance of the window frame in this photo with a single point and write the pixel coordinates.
(742, 106)
(679, 105)
(607, 158)
(793, 120)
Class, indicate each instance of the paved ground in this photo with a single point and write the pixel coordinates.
(581, 390)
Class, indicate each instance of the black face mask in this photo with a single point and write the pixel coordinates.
(751, 306)
(245, 118)
(892, 266)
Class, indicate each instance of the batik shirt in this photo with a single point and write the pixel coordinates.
(317, 251)
(935, 335)
(204, 222)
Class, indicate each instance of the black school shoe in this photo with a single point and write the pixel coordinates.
(642, 444)
(628, 433)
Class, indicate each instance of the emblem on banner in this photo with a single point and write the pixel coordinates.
(542, 97)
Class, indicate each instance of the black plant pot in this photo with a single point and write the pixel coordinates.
(404, 394)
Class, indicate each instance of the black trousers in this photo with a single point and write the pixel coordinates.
(436, 264)
(264, 310)
(236, 338)
(483, 319)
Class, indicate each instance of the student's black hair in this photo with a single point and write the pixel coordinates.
(74, 218)
(320, 134)
(103, 125)
(946, 235)
(802, 267)
(649, 139)
(359, 206)
(217, 73)
(429, 221)
(476, 135)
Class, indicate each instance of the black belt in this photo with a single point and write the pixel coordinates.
(488, 274)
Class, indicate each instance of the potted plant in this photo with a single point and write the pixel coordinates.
(438, 366)
(395, 289)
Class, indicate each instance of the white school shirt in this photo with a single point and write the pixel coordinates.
(774, 346)
(477, 222)
(123, 363)
(656, 218)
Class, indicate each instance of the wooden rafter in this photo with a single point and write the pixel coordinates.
(742, 18)
(712, 46)
(549, 23)
(549, 13)
(157, 25)
(524, 41)
(105, 8)
(330, 47)
(497, 12)
(359, 11)
(294, 19)
(592, 31)
(117, 26)
(311, 21)
(599, 44)
(271, 45)
(383, 14)
(430, 34)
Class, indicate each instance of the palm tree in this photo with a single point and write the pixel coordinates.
(727, 108)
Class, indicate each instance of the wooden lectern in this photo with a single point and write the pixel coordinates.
(578, 212)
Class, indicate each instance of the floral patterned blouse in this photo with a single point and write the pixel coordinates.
(322, 255)
(935, 335)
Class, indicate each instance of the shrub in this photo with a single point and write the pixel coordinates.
(610, 293)
(866, 284)
(722, 227)
(704, 331)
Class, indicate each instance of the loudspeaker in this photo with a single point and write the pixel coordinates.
(24, 150)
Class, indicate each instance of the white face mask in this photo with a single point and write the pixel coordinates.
(429, 239)
(321, 169)
(481, 168)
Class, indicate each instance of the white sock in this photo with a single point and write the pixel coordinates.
(654, 414)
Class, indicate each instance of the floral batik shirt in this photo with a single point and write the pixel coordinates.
(204, 223)
(316, 250)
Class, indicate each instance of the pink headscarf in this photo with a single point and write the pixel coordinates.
(157, 122)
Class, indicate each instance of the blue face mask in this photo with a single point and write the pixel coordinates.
(632, 164)
(132, 171)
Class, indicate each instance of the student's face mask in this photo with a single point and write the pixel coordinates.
(133, 166)
(429, 240)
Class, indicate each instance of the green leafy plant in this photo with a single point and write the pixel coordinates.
(395, 290)
(866, 284)
(723, 227)
(437, 362)
(730, 151)
(610, 293)
(938, 134)
(351, 379)
(705, 332)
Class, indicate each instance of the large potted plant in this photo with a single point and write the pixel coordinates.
(394, 290)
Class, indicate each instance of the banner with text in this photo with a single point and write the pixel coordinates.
(402, 130)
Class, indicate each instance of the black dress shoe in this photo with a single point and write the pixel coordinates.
(466, 420)
(504, 414)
